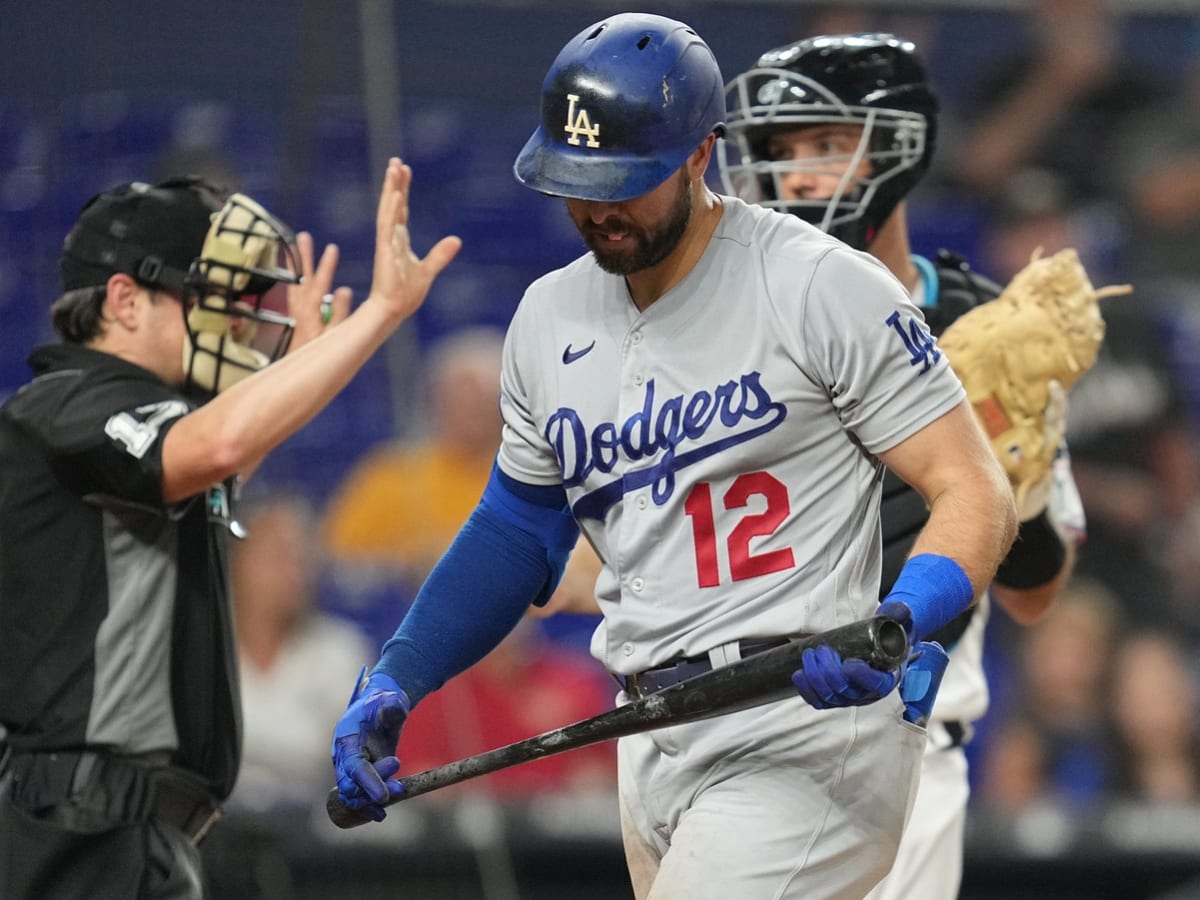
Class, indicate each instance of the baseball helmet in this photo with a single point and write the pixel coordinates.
(624, 104)
(876, 81)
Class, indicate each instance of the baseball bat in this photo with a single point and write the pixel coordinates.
(754, 681)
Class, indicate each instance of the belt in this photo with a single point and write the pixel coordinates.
(958, 732)
(640, 684)
(123, 789)
(180, 805)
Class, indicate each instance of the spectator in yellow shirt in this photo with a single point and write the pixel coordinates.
(401, 504)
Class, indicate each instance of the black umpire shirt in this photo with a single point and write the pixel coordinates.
(115, 622)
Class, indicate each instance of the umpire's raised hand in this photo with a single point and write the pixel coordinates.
(401, 279)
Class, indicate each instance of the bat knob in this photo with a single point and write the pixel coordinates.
(892, 639)
(340, 814)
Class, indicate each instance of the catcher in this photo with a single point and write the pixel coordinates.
(838, 129)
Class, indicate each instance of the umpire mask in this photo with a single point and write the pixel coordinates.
(232, 332)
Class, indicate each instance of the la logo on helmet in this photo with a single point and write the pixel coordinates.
(580, 125)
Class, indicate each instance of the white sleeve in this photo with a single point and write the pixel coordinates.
(869, 344)
(1066, 506)
(525, 454)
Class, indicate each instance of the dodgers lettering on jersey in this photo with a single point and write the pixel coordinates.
(719, 448)
(656, 431)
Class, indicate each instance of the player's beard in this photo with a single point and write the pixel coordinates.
(650, 247)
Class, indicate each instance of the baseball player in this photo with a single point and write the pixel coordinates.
(118, 687)
(838, 129)
(700, 398)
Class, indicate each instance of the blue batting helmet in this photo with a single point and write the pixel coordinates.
(623, 105)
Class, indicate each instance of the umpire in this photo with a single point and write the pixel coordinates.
(119, 696)
(118, 682)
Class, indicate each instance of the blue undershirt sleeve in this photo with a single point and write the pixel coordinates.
(510, 553)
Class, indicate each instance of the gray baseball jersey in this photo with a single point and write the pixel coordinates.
(719, 448)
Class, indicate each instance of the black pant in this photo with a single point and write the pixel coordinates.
(61, 839)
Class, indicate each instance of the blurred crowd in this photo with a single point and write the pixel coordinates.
(1077, 141)
(304, 614)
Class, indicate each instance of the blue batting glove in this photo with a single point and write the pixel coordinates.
(364, 745)
(922, 677)
(827, 681)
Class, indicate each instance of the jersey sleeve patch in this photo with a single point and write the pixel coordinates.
(137, 431)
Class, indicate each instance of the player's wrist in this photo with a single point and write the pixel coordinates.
(935, 589)
(385, 313)
(1036, 556)
(379, 680)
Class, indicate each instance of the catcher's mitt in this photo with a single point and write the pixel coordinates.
(1018, 355)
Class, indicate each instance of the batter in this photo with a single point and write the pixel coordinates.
(700, 397)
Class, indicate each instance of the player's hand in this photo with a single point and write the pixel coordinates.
(826, 681)
(364, 745)
(313, 304)
(401, 279)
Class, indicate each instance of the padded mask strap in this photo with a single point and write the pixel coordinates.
(131, 259)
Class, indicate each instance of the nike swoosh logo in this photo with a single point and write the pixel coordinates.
(569, 355)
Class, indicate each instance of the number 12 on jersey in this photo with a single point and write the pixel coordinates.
(742, 563)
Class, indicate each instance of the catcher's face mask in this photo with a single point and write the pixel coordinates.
(232, 332)
(765, 105)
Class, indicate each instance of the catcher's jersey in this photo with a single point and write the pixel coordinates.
(718, 449)
(948, 288)
(114, 606)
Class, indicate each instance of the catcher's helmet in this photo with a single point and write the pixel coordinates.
(876, 81)
(623, 105)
